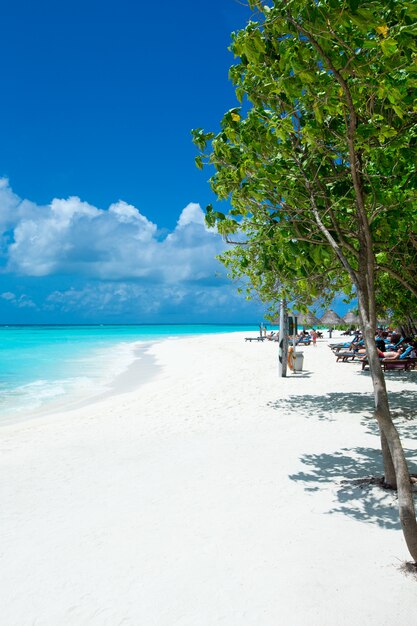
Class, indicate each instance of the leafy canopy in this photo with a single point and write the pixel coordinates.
(321, 155)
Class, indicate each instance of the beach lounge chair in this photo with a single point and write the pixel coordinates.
(336, 347)
(345, 346)
(255, 338)
(303, 341)
(403, 363)
(398, 364)
(348, 356)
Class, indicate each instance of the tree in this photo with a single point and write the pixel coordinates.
(318, 164)
(395, 302)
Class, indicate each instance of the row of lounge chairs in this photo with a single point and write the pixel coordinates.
(400, 355)
(303, 340)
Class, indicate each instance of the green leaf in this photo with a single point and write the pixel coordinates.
(399, 111)
(389, 46)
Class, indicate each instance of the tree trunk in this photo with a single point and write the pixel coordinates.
(283, 340)
(380, 394)
(389, 470)
(390, 435)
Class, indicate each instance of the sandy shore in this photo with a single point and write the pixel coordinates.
(212, 494)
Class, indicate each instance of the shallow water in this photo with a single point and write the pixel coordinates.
(40, 365)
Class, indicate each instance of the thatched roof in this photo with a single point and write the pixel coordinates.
(303, 319)
(331, 318)
(307, 319)
(351, 318)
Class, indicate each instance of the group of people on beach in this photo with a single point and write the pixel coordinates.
(390, 345)
(309, 336)
(304, 336)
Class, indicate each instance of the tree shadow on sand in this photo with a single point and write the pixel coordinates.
(353, 472)
(328, 406)
(404, 414)
(356, 473)
(397, 375)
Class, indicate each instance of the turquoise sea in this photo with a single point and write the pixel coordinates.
(43, 366)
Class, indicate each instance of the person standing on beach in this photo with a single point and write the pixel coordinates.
(314, 337)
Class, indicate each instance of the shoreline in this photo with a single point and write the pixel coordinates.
(216, 486)
(119, 367)
(141, 370)
(112, 382)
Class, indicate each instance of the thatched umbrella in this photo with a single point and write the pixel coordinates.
(352, 318)
(330, 319)
(307, 319)
(303, 319)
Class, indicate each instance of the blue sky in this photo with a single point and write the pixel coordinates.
(100, 200)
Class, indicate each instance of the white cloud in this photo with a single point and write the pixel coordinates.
(192, 214)
(103, 300)
(8, 295)
(22, 302)
(73, 237)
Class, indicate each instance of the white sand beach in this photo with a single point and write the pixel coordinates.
(211, 494)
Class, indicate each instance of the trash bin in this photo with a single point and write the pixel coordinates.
(298, 361)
